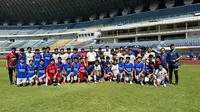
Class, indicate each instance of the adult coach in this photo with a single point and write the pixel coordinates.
(11, 62)
(174, 57)
(91, 56)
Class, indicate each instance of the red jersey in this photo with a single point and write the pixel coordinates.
(12, 59)
(82, 68)
(157, 64)
(83, 54)
(52, 70)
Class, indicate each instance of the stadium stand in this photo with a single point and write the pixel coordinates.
(59, 44)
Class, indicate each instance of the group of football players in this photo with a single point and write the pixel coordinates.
(119, 64)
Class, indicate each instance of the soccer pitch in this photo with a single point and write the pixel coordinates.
(103, 97)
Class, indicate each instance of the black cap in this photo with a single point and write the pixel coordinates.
(107, 57)
(100, 48)
(21, 49)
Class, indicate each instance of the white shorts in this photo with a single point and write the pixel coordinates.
(31, 79)
(116, 73)
(21, 81)
(75, 78)
(69, 76)
(41, 79)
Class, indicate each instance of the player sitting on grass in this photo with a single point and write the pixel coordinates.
(121, 68)
(128, 71)
(149, 71)
(31, 72)
(67, 70)
(60, 66)
(115, 71)
(90, 70)
(97, 71)
(21, 72)
(82, 71)
(51, 72)
(139, 68)
(160, 76)
(75, 74)
(108, 73)
(40, 73)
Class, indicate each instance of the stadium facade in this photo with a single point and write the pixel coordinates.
(82, 23)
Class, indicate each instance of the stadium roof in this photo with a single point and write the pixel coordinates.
(49, 10)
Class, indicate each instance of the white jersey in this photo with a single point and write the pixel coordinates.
(160, 73)
(132, 58)
(124, 57)
(107, 53)
(91, 56)
(65, 56)
(55, 56)
(29, 56)
(115, 69)
(146, 56)
(97, 68)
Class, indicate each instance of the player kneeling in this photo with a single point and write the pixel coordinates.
(75, 74)
(160, 76)
(96, 72)
(51, 73)
(149, 72)
(139, 69)
(108, 73)
(31, 72)
(60, 66)
(21, 73)
(128, 71)
(67, 70)
(39, 79)
(82, 71)
(115, 71)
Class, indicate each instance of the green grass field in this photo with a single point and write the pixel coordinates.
(103, 97)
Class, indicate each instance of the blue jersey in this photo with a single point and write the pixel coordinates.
(121, 67)
(128, 67)
(76, 68)
(163, 58)
(149, 70)
(68, 68)
(21, 56)
(90, 69)
(31, 71)
(47, 59)
(173, 55)
(75, 56)
(139, 67)
(107, 70)
(103, 65)
(41, 70)
(21, 70)
(37, 58)
(60, 67)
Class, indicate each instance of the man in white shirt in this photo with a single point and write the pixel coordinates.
(115, 71)
(124, 55)
(62, 55)
(29, 55)
(107, 52)
(160, 76)
(132, 57)
(149, 52)
(56, 55)
(91, 56)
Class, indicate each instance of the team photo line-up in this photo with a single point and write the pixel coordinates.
(119, 64)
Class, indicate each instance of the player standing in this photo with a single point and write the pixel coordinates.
(56, 55)
(37, 57)
(21, 55)
(47, 57)
(29, 55)
(11, 61)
